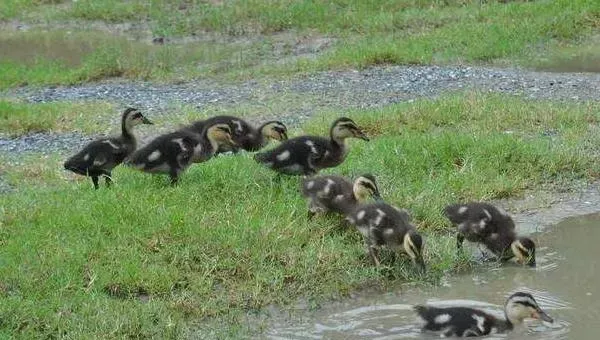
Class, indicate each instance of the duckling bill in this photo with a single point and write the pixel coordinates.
(492, 227)
(471, 322)
(101, 156)
(306, 155)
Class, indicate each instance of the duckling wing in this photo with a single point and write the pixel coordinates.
(455, 321)
(166, 152)
(331, 192)
(97, 157)
(477, 220)
(295, 156)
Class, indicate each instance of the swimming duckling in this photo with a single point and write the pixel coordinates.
(382, 224)
(337, 194)
(246, 136)
(306, 155)
(469, 322)
(172, 153)
(488, 225)
(99, 157)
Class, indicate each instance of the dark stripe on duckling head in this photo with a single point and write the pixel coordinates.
(526, 247)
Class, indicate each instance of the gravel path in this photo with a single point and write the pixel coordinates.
(323, 91)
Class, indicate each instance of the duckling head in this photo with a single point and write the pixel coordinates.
(413, 246)
(524, 250)
(133, 117)
(344, 128)
(275, 130)
(365, 186)
(520, 306)
(220, 134)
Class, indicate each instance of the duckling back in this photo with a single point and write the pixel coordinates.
(381, 222)
(477, 220)
(98, 157)
(304, 155)
(332, 193)
(171, 152)
(458, 321)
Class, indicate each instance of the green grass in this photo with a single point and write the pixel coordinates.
(145, 260)
(366, 34)
(62, 57)
(23, 118)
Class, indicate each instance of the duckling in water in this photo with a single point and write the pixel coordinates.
(337, 194)
(469, 322)
(246, 136)
(306, 155)
(382, 224)
(486, 224)
(99, 157)
(172, 153)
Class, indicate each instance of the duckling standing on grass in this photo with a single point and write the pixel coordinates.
(485, 224)
(384, 225)
(306, 155)
(246, 136)
(469, 322)
(99, 157)
(172, 153)
(337, 194)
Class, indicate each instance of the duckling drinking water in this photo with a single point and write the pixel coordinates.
(384, 225)
(337, 194)
(99, 157)
(306, 155)
(469, 322)
(246, 136)
(492, 227)
(172, 153)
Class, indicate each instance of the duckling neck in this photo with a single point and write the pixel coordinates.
(127, 133)
(214, 145)
(505, 325)
(338, 142)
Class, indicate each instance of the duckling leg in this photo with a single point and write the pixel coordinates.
(108, 179)
(460, 238)
(374, 253)
(95, 181)
(174, 175)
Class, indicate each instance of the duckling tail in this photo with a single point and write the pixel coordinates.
(259, 157)
(70, 164)
(421, 310)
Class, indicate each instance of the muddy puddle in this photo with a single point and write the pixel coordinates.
(565, 284)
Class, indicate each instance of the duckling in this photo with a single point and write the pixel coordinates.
(488, 225)
(337, 194)
(383, 224)
(100, 156)
(469, 322)
(173, 152)
(306, 155)
(245, 135)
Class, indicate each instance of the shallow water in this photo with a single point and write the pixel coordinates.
(565, 284)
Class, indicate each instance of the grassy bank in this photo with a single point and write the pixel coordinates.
(22, 118)
(146, 260)
(361, 34)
